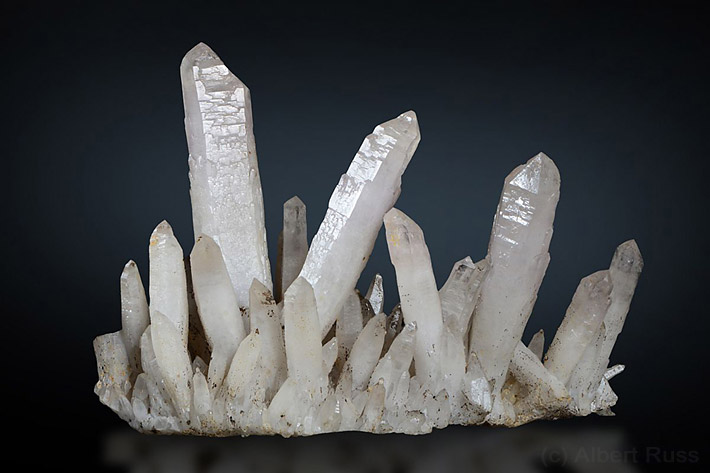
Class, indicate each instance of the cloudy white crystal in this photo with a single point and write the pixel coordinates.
(135, 315)
(225, 187)
(369, 188)
(417, 288)
(293, 245)
(168, 283)
(624, 271)
(265, 317)
(366, 351)
(217, 306)
(583, 319)
(522, 229)
(376, 294)
(173, 362)
(302, 336)
(537, 344)
(460, 292)
(215, 353)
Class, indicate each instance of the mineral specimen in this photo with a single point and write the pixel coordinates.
(315, 356)
(225, 187)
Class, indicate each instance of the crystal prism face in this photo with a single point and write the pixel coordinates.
(213, 350)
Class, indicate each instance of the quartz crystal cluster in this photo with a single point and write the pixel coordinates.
(216, 348)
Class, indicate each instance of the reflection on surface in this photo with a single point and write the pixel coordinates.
(561, 446)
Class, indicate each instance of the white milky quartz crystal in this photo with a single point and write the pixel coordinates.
(304, 353)
(266, 318)
(370, 187)
(225, 187)
(518, 256)
(135, 315)
(168, 283)
(417, 289)
(217, 305)
(580, 326)
(173, 362)
(315, 356)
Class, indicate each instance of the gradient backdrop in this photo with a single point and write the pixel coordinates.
(94, 157)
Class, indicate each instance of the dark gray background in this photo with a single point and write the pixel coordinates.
(95, 156)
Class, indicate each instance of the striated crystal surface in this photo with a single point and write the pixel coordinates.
(418, 292)
(214, 351)
(225, 187)
(517, 251)
(369, 188)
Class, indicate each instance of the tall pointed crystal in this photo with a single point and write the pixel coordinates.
(217, 306)
(579, 327)
(225, 188)
(366, 351)
(624, 271)
(348, 326)
(134, 313)
(518, 254)
(168, 283)
(417, 287)
(293, 243)
(173, 362)
(371, 186)
(304, 352)
(265, 317)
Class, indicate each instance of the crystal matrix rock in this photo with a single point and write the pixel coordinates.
(216, 352)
